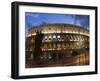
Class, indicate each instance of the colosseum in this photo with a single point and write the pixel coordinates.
(50, 45)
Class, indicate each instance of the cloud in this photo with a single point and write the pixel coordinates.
(32, 15)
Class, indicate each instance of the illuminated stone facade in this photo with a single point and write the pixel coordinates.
(61, 45)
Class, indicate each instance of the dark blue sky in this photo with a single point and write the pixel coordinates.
(34, 19)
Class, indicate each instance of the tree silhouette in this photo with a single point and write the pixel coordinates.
(38, 42)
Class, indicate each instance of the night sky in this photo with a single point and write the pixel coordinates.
(34, 19)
